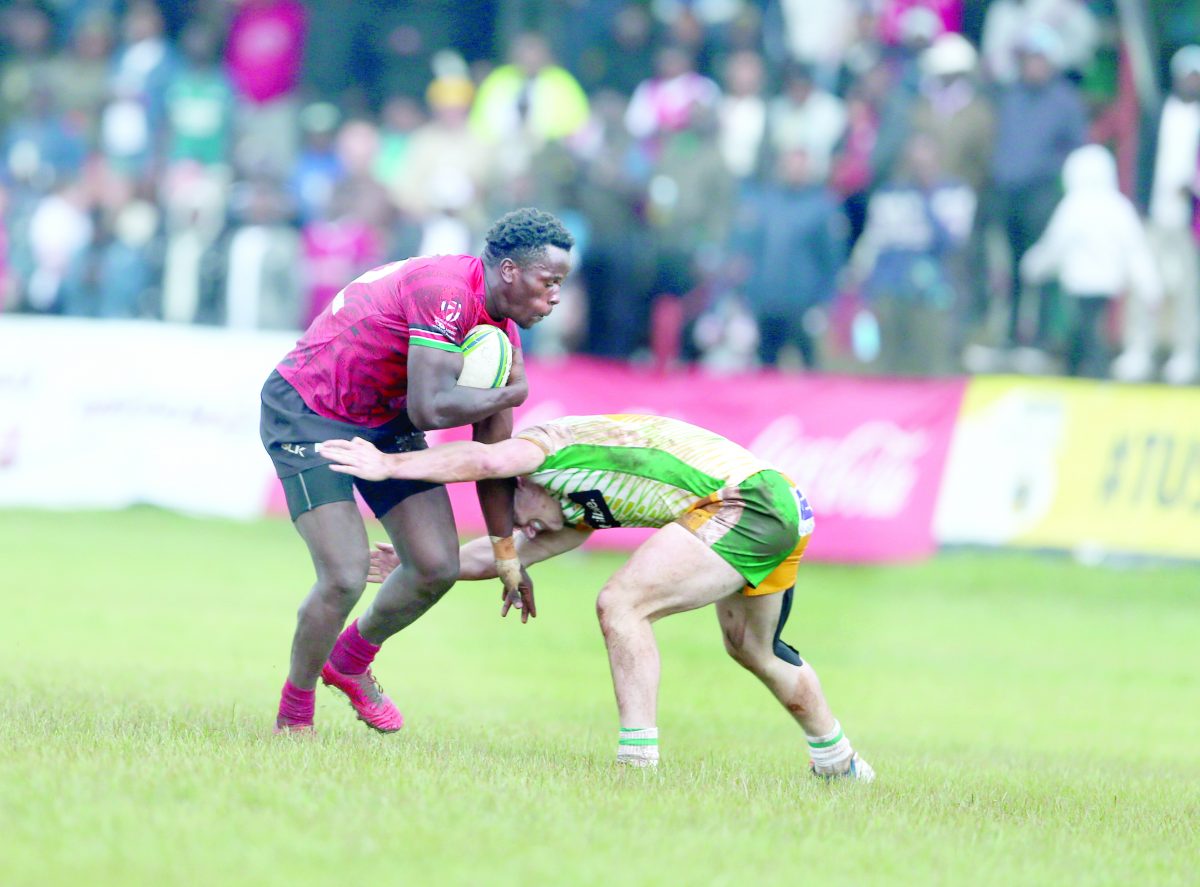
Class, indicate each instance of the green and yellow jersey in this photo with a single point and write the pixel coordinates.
(650, 471)
(635, 470)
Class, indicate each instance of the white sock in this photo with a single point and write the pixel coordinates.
(638, 746)
(832, 752)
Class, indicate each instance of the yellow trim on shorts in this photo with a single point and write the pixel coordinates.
(782, 577)
(698, 513)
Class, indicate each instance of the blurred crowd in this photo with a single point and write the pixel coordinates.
(914, 187)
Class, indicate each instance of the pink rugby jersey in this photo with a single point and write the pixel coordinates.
(352, 362)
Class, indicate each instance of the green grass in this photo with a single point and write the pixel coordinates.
(1032, 721)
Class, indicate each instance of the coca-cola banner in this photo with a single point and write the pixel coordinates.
(868, 453)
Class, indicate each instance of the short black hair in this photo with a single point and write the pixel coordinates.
(523, 235)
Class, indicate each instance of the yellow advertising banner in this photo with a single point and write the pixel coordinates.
(1091, 467)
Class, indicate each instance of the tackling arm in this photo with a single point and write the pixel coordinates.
(443, 464)
(475, 557)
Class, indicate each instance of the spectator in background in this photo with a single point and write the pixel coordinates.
(742, 113)
(915, 224)
(527, 102)
(955, 115)
(816, 35)
(404, 41)
(131, 123)
(194, 201)
(80, 74)
(952, 111)
(1172, 219)
(664, 103)
(358, 151)
(262, 289)
(399, 119)
(42, 139)
(684, 28)
(318, 168)
(449, 166)
(27, 36)
(617, 265)
(626, 57)
(804, 117)
(336, 249)
(891, 20)
(1040, 120)
(200, 109)
(1096, 249)
(919, 27)
(852, 174)
(113, 277)
(789, 237)
(691, 197)
(1008, 23)
(726, 335)
(60, 228)
(742, 31)
(199, 102)
(263, 54)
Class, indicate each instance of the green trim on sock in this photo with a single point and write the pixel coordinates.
(840, 736)
(635, 729)
(637, 742)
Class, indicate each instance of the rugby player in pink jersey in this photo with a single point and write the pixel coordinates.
(730, 531)
(381, 363)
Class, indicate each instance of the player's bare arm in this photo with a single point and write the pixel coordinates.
(435, 400)
(444, 464)
(475, 557)
(496, 502)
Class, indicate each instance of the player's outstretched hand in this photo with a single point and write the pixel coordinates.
(383, 560)
(521, 597)
(358, 457)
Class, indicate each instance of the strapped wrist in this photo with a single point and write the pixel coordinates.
(504, 548)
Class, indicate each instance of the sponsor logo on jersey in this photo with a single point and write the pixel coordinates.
(596, 513)
(451, 310)
(294, 449)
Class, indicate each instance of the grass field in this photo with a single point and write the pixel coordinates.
(1032, 721)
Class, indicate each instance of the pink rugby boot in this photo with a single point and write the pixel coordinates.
(366, 696)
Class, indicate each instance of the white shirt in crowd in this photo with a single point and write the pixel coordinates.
(1095, 244)
(1175, 164)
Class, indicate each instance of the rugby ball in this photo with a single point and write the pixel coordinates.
(487, 358)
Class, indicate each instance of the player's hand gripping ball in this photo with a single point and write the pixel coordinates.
(487, 358)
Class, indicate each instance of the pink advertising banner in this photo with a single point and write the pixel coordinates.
(868, 453)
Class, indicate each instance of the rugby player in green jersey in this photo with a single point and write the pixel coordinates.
(730, 531)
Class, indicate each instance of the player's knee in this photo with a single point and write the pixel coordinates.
(434, 578)
(344, 580)
(611, 609)
(733, 633)
(747, 650)
(430, 580)
(744, 656)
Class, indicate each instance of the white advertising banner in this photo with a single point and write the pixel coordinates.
(108, 414)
